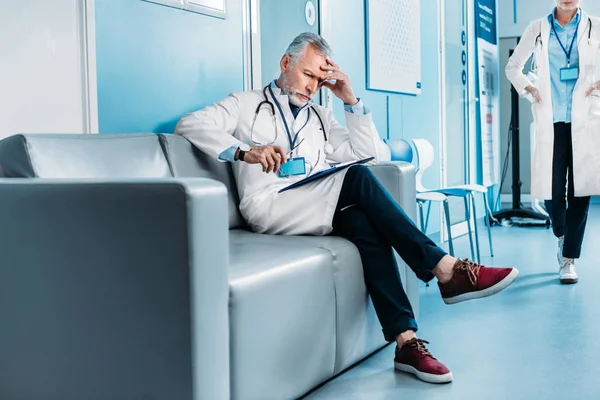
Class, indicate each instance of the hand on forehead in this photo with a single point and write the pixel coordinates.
(314, 62)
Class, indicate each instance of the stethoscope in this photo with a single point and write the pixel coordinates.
(271, 107)
(539, 36)
(589, 31)
(539, 39)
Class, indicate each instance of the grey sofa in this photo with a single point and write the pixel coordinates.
(127, 272)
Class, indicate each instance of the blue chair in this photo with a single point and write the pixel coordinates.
(425, 157)
(401, 150)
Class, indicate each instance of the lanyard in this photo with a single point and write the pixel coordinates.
(568, 54)
(285, 124)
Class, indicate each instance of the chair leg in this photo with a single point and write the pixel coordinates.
(427, 216)
(487, 223)
(421, 216)
(448, 227)
(472, 195)
(468, 218)
(423, 224)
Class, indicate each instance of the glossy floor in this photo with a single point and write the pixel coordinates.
(536, 340)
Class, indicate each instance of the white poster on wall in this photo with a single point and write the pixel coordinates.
(489, 94)
(393, 45)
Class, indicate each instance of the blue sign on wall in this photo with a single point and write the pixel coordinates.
(486, 20)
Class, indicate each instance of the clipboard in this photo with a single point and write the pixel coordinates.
(325, 173)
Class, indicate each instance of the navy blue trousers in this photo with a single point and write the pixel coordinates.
(568, 219)
(368, 217)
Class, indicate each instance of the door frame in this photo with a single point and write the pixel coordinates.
(86, 17)
(251, 44)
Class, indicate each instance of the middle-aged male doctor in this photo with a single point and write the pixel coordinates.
(278, 128)
(566, 114)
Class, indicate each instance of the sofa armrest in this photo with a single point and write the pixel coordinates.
(114, 289)
(398, 178)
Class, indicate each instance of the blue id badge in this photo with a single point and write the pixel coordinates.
(569, 74)
(294, 166)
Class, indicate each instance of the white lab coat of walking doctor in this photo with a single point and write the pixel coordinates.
(307, 209)
(585, 115)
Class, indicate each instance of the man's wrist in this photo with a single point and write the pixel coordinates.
(352, 102)
(239, 155)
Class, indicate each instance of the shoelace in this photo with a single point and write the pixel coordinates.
(419, 346)
(471, 268)
(568, 265)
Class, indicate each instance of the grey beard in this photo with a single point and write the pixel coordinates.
(295, 101)
(286, 90)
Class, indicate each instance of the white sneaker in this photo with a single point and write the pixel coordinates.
(559, 253)
(567, 271)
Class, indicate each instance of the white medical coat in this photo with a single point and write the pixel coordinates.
(585, 114)
(307, 209)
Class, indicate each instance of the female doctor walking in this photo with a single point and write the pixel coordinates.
(566, 114)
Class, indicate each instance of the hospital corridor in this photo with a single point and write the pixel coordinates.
(299, 199)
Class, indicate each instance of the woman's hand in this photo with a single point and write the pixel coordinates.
(534, 93)
(594, 86)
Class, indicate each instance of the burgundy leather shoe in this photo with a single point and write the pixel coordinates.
(474, 281)
(414, 358)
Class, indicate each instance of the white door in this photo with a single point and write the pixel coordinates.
(268, 34)
(47, 73)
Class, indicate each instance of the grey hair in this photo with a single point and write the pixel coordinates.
(303, 40)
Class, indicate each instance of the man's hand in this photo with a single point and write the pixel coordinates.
(594, 86)
(270, 157)
(534, 93)
(341, 88)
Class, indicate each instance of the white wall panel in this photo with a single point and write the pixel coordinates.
(42, 74)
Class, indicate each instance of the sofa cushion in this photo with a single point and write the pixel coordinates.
(83, 156)
(186, 160)
(357, 329)
(282, 317)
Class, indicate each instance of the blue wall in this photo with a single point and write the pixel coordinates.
(156, 63)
